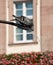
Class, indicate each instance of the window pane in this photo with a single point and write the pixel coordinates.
(29, 12)
(29, 36)
(19, 37)
(28, 31)
(19, 6)
(18, 30)
(29, 5)
(19, 13)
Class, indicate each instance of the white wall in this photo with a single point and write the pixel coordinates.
(23, 48)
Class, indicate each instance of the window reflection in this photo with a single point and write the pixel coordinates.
(19, 37)
(19, 6)
(29, 12)
(18, 30)
(19, 13)
(29, 36)
(29, 5)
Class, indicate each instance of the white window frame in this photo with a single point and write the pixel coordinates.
(24, 31)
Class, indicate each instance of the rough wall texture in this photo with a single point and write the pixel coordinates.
(10, 4)
(35, 19)
(47, 24)
(2, 26)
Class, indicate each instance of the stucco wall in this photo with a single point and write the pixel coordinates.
(47, 24)
(2, 26)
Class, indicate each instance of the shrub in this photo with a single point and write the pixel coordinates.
(44, 58)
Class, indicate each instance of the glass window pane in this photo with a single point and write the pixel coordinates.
(19, 6)
(19, 37)
(29, 5)
(18, 30)
(29, 36)
(28, 31)
(19, 13)
(29, 12)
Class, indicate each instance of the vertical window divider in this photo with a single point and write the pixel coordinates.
(14, 21)
(24, 14)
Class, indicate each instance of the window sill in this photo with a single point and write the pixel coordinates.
(22, 43)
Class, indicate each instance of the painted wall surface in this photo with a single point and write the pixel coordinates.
(2, 27)
(47, 24)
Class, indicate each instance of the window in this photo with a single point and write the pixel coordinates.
(19, 9)
(25, 9)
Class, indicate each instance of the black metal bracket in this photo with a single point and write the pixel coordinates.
(20, 22)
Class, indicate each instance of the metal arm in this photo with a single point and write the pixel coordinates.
(19, 23)
(23, 20)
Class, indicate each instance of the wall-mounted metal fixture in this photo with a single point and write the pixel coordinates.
(20, 22)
